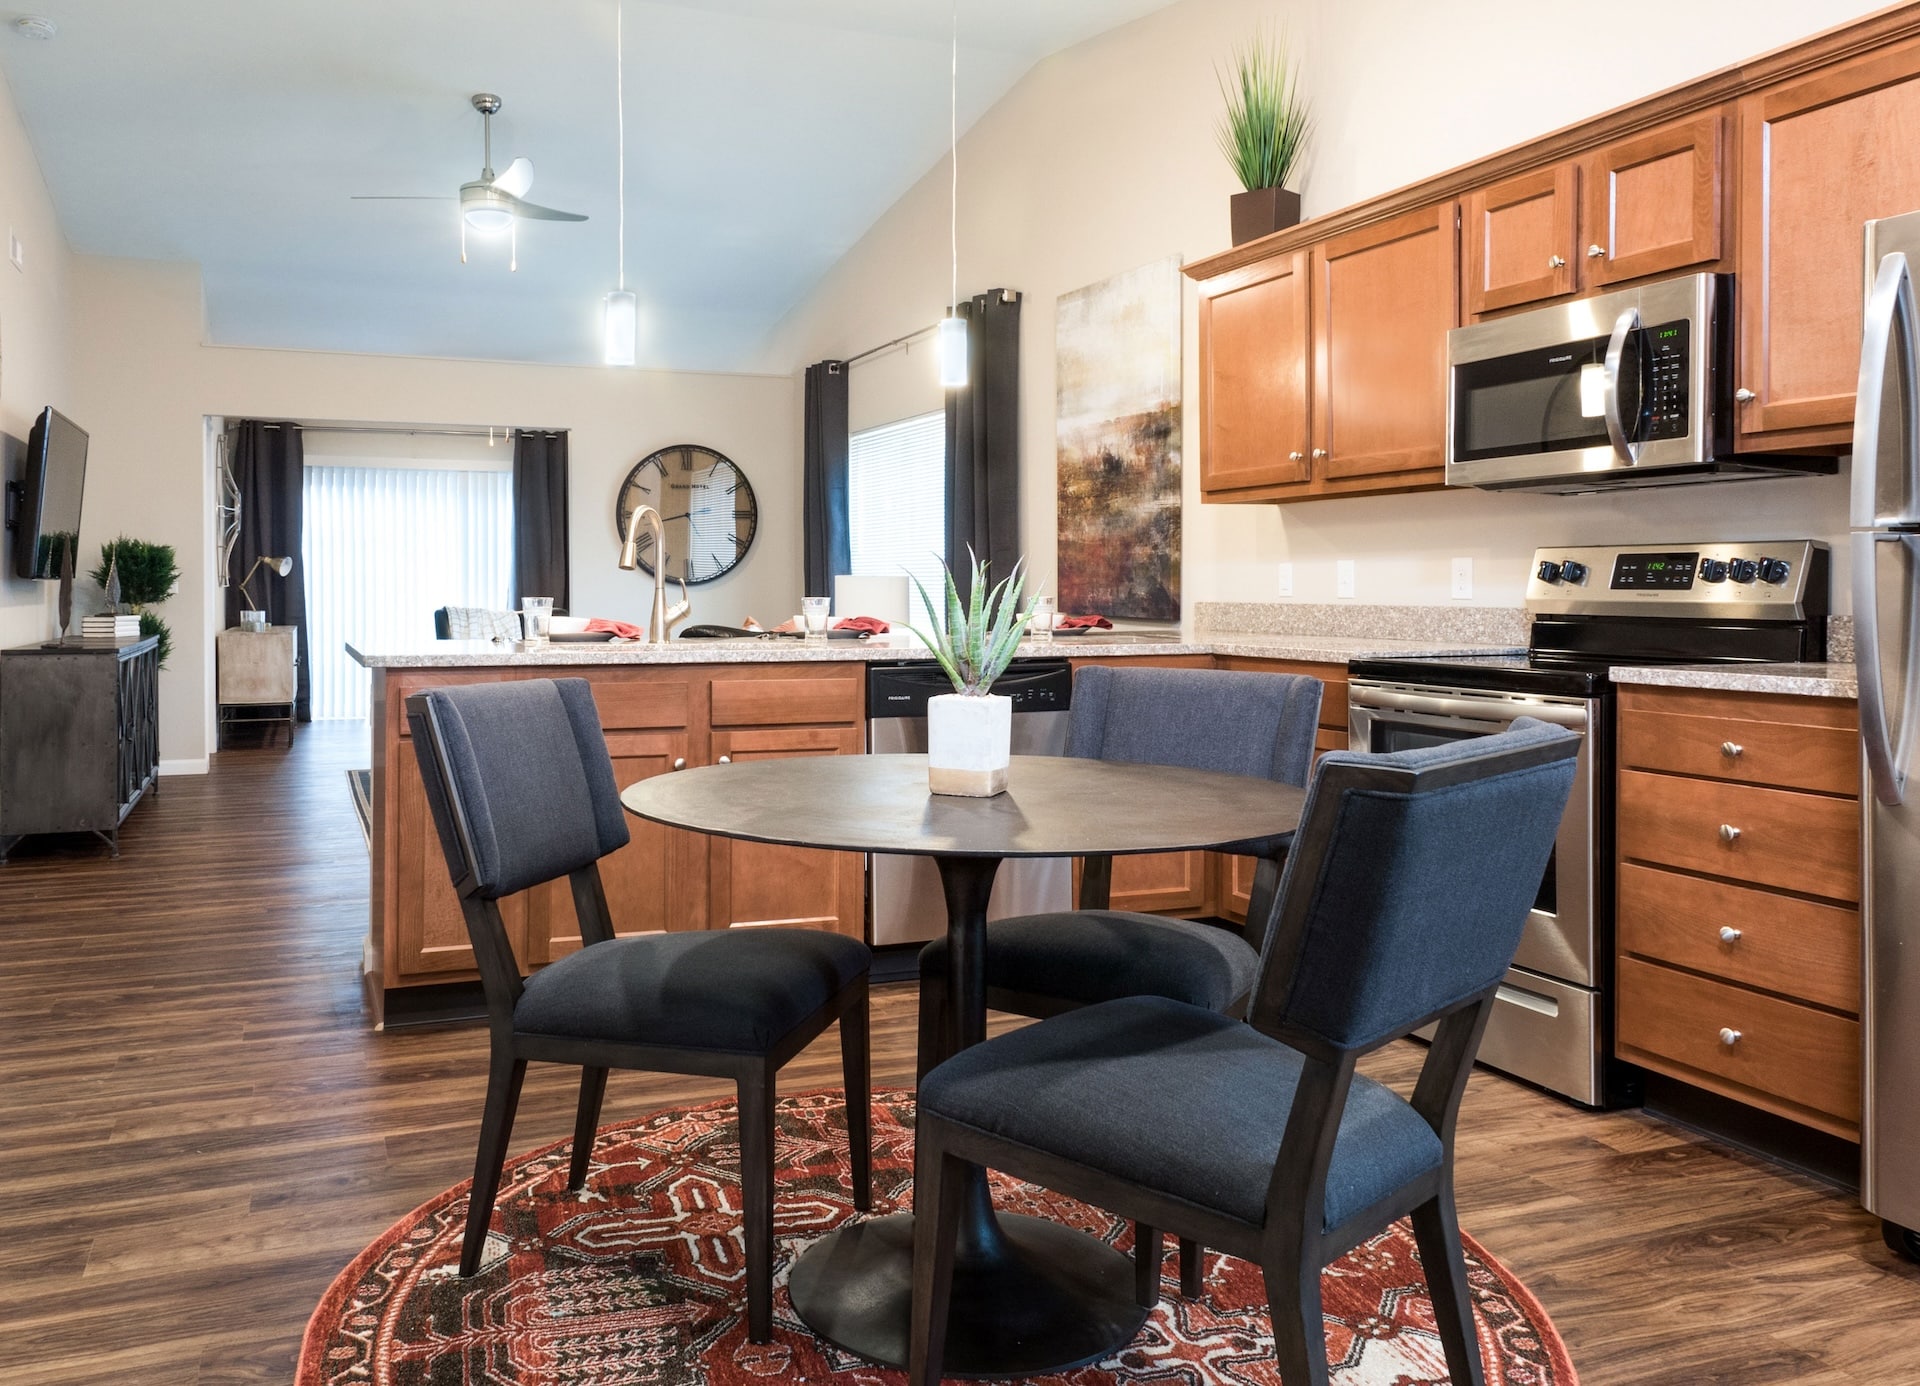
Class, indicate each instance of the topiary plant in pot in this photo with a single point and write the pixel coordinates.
(147, 574)
(1263, 133)
(970, 731)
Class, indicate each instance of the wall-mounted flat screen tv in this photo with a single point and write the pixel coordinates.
(56, 475)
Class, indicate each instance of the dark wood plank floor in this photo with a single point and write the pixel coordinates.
(198, 1130)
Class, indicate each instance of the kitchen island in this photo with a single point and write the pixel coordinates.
(715, 702)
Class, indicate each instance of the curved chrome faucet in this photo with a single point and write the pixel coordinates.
(661, 621)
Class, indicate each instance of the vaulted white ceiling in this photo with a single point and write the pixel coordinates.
(763, 138)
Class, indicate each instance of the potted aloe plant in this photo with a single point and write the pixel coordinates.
(1263, 133)
(970, 730)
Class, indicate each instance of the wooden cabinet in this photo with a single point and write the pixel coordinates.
(1739, 881)
(1518, 238)
(1652, 204)
(1254, 349)
(1818, 158)
(755, 883)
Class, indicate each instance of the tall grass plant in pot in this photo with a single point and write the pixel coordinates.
(970, 730)
(1263, 132)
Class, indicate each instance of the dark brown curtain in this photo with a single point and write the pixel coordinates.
(983, 440)
(828, 548)
(540, 548)
(269, 467)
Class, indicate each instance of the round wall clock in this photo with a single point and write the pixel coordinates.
(705, 503)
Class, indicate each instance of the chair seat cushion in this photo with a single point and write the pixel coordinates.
(1177, 1099)
(744, 990)
(1098, 955)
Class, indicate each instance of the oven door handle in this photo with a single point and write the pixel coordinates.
(1628, 449)
(1562, 714)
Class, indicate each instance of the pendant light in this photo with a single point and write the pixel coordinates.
(952, 338)
(622, 311)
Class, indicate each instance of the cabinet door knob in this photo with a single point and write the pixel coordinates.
(1295, 455)
(1319, 454)
(1556, 261)
(1729, 934)
(1729, 1036)
(724, 760)
(1729, 833)
(679, 762)
(1594, 252)
(1743, 396)
(1732, 750)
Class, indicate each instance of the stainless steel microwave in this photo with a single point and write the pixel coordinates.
(1625, 389)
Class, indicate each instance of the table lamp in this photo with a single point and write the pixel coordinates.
(254, 618)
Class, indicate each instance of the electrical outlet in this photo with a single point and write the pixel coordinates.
(16, 252)
(1286, 580)
(1343, 577)
(1462, 579)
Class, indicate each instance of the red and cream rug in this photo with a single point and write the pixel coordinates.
(641, 1281)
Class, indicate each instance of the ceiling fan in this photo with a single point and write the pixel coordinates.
(492, 202)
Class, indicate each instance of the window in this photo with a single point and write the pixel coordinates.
(385, 546)
(897, 499)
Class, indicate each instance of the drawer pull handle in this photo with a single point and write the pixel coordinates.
(1729, 833)
(1732, 750)
(1729, 1036)
(1556, 262)
(1296, 456)
(679, 762)
(1594, 252)
(1729, 934)
(725, 760)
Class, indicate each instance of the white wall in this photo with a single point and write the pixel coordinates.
(1103, 158)
(33, 348)
(145, 381)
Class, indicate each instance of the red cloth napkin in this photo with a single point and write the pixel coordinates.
(621, 630)
(1083, 623)
(872, 625)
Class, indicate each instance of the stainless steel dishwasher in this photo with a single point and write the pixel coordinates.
(908, 905)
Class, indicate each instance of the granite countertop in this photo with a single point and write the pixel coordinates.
(1314, 649)
(1800, 680)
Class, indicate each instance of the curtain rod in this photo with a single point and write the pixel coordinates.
(1006, 296)
(503, 430)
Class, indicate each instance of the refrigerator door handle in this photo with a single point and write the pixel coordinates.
(1887, 746)
(1891, 324)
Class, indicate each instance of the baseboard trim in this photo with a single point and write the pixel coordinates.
(184, 767)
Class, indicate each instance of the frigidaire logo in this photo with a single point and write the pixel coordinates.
(1557, 360)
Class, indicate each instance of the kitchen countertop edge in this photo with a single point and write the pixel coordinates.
(1794, 680)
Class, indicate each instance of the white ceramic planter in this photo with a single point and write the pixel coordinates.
(969, 745)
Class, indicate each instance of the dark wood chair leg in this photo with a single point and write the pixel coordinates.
(1299, 1330)
(504, 1076)
(933, 1025)
(586, 1121)
(756, 1186)
(1436, 1230)
(1148, 1251)
(856, 1069)
(937, 1193)
(1193, 1260)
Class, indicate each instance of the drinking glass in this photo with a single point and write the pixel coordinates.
(1044, 613)
(536, 619)
(813, 611)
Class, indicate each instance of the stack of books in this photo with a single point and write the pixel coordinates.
(117, 628)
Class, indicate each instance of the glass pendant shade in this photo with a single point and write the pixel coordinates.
(952, 342)
(622, 326)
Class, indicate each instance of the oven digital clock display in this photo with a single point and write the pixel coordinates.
(1654, 572)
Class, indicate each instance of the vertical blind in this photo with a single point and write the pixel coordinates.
(383, 547)
(897, 499)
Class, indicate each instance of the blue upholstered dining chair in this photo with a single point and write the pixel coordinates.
(1040, 965)
(522, 792)
(1402, 904)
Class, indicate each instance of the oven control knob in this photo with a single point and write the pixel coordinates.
(1743, 570)
(1774, 570)
(1548, 571)
(1713, 570)
(1573, 570)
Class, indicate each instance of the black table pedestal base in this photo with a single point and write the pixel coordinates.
(1043, 1299)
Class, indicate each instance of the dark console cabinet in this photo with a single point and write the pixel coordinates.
(79, 736)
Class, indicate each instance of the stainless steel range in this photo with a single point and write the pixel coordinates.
(1592, 609)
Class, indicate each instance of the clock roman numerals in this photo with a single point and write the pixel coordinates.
(707, 508)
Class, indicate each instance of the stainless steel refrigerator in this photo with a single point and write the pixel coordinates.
(1886, 611)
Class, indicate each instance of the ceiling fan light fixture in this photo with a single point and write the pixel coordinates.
(622, 327)
(484, 212)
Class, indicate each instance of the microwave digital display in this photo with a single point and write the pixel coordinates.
(1654, 572)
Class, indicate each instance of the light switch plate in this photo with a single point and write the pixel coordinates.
(1343, 577)
(1462, 579)
(1285, 588)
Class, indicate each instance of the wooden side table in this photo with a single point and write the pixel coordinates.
(256, 670)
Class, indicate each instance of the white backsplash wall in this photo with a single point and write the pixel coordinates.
(1103, 158)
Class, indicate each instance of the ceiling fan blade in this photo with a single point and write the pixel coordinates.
(536, 213)
(517, 179)
(402, 197)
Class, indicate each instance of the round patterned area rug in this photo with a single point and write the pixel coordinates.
(640, 1281)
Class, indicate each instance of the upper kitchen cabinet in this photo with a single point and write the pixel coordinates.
(1520, 239)
(1653, 202)
(1253, 376)
(1384, 298)
(1819, 157)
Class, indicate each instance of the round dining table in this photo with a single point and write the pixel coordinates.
(1029, 1295)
